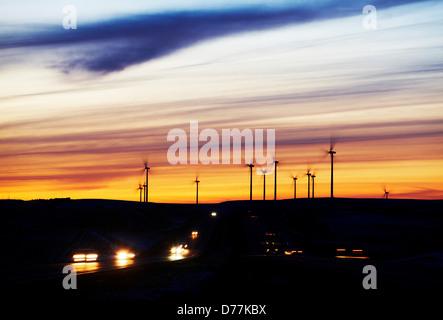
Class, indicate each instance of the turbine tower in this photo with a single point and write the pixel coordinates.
(275, 180)
(264, 184)
(197, 182)
(309, 186)
(250, 180)
(332, 152)
(147, 175)
(313, 177)
(295, 187)
(140, 188)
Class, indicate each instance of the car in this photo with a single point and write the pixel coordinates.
(273, 245)
(350, 253)
(180, 249)
(294, 252)
(124, 255)
(273, 250)
(85, 255)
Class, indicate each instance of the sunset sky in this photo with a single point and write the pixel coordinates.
(81, 109)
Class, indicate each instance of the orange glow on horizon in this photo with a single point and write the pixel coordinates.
(409, 168)
(231, 182)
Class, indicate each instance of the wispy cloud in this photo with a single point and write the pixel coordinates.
(115, 44)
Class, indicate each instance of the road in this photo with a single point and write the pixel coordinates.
(26, 274)
(394, 274)
(227, 263)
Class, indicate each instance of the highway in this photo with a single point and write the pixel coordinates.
(230, 250)
(392, 273)
(27, 274)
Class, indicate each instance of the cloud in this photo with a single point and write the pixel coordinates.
(418, 193)
(115, 44)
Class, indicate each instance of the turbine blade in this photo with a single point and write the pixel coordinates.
(249, 161)
(197, 173)
(145, 160)
(141, 175)
(324, 155)
(332, 142)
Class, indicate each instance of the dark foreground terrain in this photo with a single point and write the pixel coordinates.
(236, 264)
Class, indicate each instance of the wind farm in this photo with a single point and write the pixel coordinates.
(263, 172)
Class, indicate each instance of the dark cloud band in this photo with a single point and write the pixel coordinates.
(116, 44)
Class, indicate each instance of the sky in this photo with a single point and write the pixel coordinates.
(82, 109)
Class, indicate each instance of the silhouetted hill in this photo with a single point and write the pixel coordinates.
(47, 230)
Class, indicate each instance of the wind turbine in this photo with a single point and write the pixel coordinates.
(309, 186)
(313, 177)
(332, 152)
(275, 179)
(386, 194)
(197, 182)
(264, 183)
(295, 187)
(250, 180)
(140, 188)
(147, 184)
